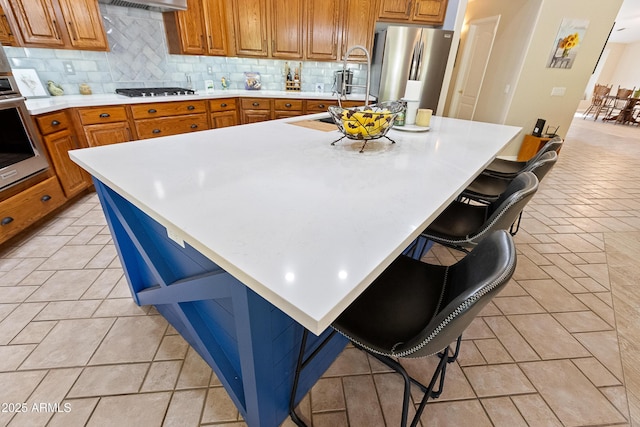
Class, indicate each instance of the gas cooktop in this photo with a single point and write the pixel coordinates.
(154, 91)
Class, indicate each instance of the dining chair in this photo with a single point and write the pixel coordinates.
(598, 101)
(619, 104)
(510, 168)
(464, 225)
(415, 309)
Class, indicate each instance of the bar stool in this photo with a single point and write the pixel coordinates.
(414, 310)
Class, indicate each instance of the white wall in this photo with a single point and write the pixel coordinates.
(626, 72)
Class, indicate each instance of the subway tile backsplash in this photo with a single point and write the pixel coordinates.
(139, 57)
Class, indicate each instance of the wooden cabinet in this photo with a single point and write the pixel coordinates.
(287, 29)
(59, 138)
(6, 34)
(224, 112)
(358, 27)
(254, 110)
(199, 30)
(71, 24)
(169, 118)
(250, 27)
(530, 146)
(322, 105)
(105, 125)
(23, 209)
(322, 36)
(416, 11)
(287, 108)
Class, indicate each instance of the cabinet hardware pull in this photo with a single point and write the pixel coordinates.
(224, 104)
(54, 123)
(287, 105)
(55, 29)
(156, 131)
(45, 198)
(6, 220)
(320, 105)
(210, 42)
(6, 21)
(151, 111)
(256, 104)
(105, 115)
(202, 41)
(191, 107)
(408, 9)
(73, 30)
(194, 126)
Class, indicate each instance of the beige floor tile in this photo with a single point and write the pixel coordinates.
(34, 333)
(350, 362)
(65, 285)
(455, 413)
(498, 380)
(140, 410)
(120, 307)
(456, 385)
(511, 339)
(14, 322)
(58, 310)
(78, 414)
(109, 380)
(549, 339)
(219, 407)
(598, 272)
(131, 339)
(40, 247)
(11, 356)
(185, 408)
(390, 388)
(559, 381)
(71, 257)
(104, 284)
(332, 419)
(503, 412)
(550, 295)
(493, 351)
(363, 407)
(518, 305)
(195, 371)
(16, 388)
(22, 270)
(162, 375)
(596, 372)
(603, 346)
(581, 321)
(11, 294)
(470, 355)
(600, 308)
(70, 343)
(327, 395)
(535, 410)
(172, 347)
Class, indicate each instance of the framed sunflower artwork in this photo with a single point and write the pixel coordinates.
(567, 42)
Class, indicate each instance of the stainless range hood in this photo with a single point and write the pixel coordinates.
(157, 5)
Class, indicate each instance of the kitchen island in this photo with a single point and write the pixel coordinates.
(242, 236)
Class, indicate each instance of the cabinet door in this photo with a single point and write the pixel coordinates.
(38, 23)
(254, 116)
(395, 9)
(323, 29)
(357, 27)
(429, 11)
(250, 25)
(190, 26)
(106, 134)
(71, 176)
(287, 35)
(83, 22)
(224, 119)
(6, 35)
(216, 26)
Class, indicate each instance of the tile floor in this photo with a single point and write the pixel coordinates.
(558, 347)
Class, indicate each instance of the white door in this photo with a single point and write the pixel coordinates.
(473, 64)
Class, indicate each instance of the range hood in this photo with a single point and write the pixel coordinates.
(156, 5)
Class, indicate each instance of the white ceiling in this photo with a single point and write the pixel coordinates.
(627, 26)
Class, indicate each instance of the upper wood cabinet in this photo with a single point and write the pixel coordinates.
(6, 34)
(250, 25)
(199, 30)
(417, 11)
(66, 24)
(358, 27)
(322, 37)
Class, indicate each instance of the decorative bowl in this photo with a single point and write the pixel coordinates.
(366, 122)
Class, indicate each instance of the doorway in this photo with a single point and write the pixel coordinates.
(473, 65)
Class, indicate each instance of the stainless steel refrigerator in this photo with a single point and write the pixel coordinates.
(409, 53)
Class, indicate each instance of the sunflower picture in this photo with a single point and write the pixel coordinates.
(566, 44)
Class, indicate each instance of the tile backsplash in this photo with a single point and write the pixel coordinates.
(139, 57)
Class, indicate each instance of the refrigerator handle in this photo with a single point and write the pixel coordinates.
(415, 60)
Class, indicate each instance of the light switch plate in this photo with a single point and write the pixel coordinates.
(558, 91)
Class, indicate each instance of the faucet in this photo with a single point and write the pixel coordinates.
(343, 89)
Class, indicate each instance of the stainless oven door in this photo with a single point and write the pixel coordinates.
(20, 153)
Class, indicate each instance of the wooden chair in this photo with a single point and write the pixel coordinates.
(598, 101)
(619, 104)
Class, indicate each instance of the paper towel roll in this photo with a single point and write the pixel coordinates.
(413, 90)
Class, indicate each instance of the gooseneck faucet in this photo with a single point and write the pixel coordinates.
(343, 89)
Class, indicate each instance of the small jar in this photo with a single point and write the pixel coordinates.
(400, 117)
(85, 89)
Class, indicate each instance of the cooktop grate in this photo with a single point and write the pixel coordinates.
(154, 91)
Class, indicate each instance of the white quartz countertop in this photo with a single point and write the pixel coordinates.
(306, 225)
(54, 103)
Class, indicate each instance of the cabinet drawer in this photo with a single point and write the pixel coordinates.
(288, 105)
(50, 123)
(92, 116)
(320, 106)
(226, 104)
(21, 210)
(152, 128)
(255, 104)
(164, 109)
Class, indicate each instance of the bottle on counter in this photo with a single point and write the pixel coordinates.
(400, 118)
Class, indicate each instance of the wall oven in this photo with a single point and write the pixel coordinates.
(20, 153)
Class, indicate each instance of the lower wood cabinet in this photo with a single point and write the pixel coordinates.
(105, 125)
(23, 209)
(253, 110)
(152, 128)
(224, 113)
(58, 137)
(287, 108)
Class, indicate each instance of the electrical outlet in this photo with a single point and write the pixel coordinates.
(68, 68)
(558, 91)
(209, 69)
